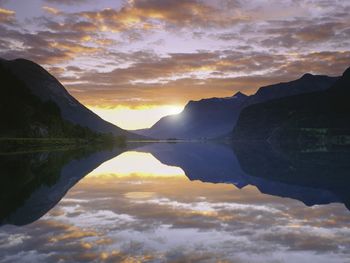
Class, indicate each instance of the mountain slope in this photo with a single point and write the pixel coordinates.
(24, 115)
(318, 115)
(47, 88)
(306, 84)
(206, 118)
(211, 118)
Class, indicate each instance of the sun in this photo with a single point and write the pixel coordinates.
(175, 109)
(136, 118)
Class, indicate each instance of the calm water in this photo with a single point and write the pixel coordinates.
(185, 202)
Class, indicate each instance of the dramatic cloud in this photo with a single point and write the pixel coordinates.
(67, 2)
(197, 75)
(154, 14)
(162, 51)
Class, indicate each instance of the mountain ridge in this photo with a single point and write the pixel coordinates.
(320, 116)
(47, 88)
(189, 123)
(212, 111)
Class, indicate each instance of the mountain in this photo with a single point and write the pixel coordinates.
(206, 118)
(35, 81)
(306, 84)
(215, 117)
(319, 116)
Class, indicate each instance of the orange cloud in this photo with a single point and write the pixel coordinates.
(179, 78)
(7, 16)
(51, 10)
(148, 14)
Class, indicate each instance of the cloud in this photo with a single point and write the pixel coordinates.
(7, 16)
(51, 10)
(305, 32)
(163, 51)
(155, 14)
(68, 2)
(326, 63)
(180, 77)
(46, 47)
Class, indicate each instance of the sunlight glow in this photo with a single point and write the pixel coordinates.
(136, 118)
(136, 164)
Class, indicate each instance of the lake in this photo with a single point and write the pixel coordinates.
(176, 202)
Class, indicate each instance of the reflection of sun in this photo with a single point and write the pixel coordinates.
(136, 164)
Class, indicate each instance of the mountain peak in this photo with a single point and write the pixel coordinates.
(239, 95)
(307, 76)
(346, 73)
(46, 87)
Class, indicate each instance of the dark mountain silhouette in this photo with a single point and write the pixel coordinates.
(307, 83)
(23, 114)
(26, 83)
(321, 116)
(206, 118)
(215, 117)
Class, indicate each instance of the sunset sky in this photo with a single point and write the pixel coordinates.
(134, 61)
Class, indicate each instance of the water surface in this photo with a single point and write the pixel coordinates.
(185, 202)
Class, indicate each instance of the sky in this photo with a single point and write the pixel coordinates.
(134, 61)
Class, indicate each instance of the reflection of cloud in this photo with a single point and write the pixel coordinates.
(108, 219)
(12, 240)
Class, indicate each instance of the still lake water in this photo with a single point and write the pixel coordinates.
(183, 202)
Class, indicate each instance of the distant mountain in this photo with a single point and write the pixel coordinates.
(38, 83)
(206, 118)
(215, 117)
(320, 116)
(306, 84)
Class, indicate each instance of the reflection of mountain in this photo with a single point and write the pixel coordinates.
(319, 169)
(32, 184)
(261, 167)
(207, 162)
